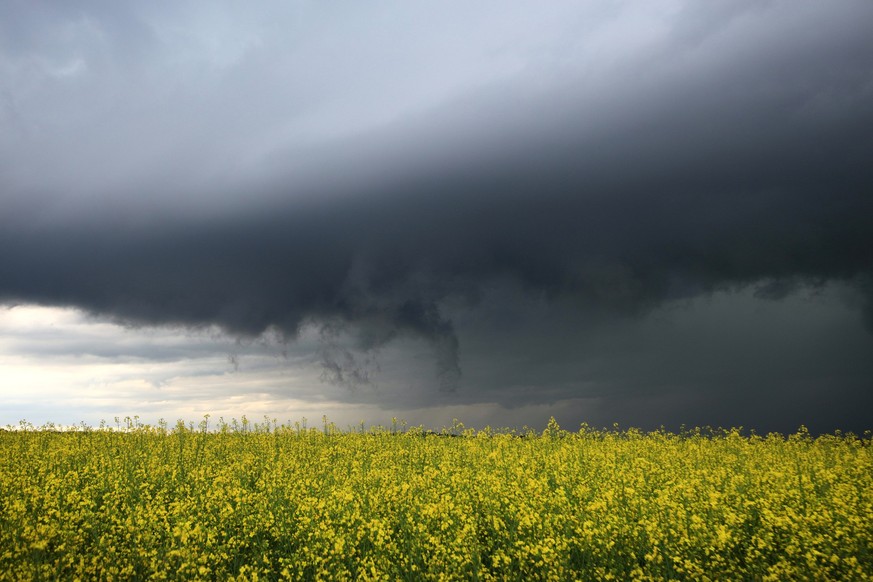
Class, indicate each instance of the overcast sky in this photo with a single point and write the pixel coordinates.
(637, 212)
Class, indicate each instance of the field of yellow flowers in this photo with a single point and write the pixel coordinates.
(267, 501)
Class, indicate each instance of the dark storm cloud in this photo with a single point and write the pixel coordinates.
(734, 151)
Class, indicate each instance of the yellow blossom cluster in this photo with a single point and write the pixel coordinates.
(276, 502)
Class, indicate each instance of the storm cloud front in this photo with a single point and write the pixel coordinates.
(604, 192)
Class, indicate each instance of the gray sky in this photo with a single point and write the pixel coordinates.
(651, 213)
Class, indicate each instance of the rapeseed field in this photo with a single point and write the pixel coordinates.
(267, 501)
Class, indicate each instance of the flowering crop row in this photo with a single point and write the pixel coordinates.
(286, 503)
